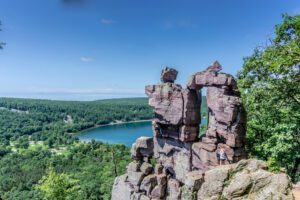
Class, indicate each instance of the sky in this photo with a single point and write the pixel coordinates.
(96, 49)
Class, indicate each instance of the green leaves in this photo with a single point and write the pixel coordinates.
(57, 186)
(270, 88)
(84, 170)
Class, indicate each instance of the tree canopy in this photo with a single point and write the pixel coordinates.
(270, 86)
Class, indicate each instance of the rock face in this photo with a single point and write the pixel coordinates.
(186, 165)
(248, 179)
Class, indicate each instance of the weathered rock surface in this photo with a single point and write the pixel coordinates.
(142, 148)
(122, 190)
(187, 167)
(168, 75)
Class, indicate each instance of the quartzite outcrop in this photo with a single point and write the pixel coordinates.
(186, 165)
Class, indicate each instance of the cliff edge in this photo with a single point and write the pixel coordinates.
(177, 164)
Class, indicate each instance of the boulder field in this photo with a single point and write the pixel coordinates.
(178, 164)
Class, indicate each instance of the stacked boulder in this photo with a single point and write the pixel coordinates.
(186, 166)
(142, 181)
(226, 118)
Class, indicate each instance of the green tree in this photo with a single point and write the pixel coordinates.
(270, 86)
(58, 186)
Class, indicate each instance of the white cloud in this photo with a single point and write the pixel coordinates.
(86, 59)
(107, 21)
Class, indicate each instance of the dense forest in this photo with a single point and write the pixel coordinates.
(41, 157)
(39, 149)
(56, 121)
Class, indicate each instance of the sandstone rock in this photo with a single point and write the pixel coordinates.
(278, 188)
(144, 197)
(182, 164)
(168, 75)
(159, 169)
(161, 179)
(169, 131)
(182, 159)
(214, 180)
(206, 146)
(211, 132)
(156, 129)
(215, 67)
(158, 192)
(203, 79)
(134, 166)
(191, 105)
(144, 143)
(169, 146)
(250, 165)
(240, 185)
(194, 180)
(142, 148)
(148, 183)
(192, 83)
(136, 196)
(135, 178)
(197, 163)
(251, 181)
(207, 157)
(189, 133)
(167, 101)
(173, 190)
(121, 190)
(146, 168)
(209, 140)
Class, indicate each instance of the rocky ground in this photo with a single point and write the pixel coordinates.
(296, 193)
(247, 179)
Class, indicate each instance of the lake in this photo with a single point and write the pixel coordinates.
(125, 133)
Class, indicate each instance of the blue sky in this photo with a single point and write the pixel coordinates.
(92, 49)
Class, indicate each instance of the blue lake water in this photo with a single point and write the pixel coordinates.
(125, 133)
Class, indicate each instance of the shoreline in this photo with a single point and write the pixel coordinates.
(113, 123)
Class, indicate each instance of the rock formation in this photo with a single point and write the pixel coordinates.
(186, 165)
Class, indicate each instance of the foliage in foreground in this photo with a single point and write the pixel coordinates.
(86, 168)
(41, 158)
(270, 86)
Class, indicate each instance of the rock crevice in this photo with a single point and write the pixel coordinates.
(187, 167)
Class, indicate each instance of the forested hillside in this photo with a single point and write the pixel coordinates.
(55, 121)
(37, 143)
(41, 156)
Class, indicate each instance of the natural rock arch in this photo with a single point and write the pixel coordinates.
(186, 168)
(177, 117)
